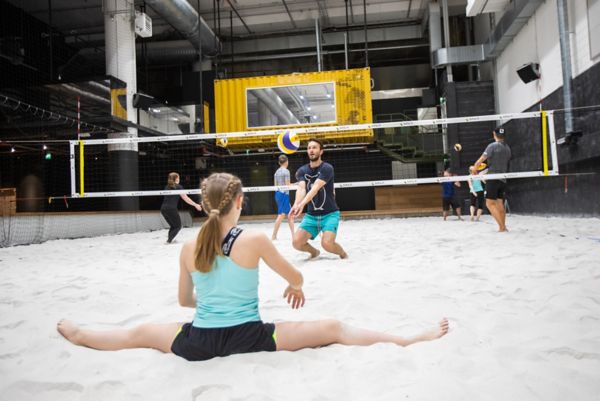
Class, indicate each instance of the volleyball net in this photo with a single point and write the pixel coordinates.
(401, 153)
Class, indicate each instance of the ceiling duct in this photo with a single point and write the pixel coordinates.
(182, 16)
(515, 17)
(458, 55)
(476, 7)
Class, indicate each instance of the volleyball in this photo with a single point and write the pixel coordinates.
(222, 142)
(288, 143)
(457, 147)
(482, 169)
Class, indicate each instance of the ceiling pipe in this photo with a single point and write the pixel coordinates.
(324, 52)
(182, 16)
(181, 51)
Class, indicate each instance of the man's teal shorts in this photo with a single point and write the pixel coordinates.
(315, 224)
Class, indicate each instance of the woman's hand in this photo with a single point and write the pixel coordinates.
(198, 207)
(295, 297)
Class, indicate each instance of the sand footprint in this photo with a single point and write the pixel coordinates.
(212, 392)
(39, 387)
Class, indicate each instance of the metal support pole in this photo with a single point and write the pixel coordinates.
(447, 37)
(50, 40)
(318, 35)
(366, 38)
(346, 49)
(565, 56)
(231, 39)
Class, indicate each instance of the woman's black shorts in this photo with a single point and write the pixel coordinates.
(199, 344)
(477, 201)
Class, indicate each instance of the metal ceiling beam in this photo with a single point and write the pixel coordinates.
(300, 54)
(239, 16)
(63, 9)
(289, 14)
(323, 12)
(334, 28)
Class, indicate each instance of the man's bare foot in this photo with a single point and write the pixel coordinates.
(503, 230)
(437, 332)
(314, 254)
(69, 330)
(344, 255)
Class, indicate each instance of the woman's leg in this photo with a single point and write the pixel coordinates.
(173, 220)
(157, 336)
(292, 336)
(480, 202)
(176, 226)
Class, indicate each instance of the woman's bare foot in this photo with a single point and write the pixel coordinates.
(437, 332)
(69, 330)
(344, 255)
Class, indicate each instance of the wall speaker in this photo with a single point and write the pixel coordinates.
(144, 102)
(529, 72)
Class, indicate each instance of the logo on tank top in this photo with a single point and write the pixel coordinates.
(310, 180)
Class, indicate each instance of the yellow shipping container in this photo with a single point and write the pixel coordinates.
(352, 95)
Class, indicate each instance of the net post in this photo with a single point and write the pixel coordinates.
(552, 136)
(81, 165)
(72, 165)
(545, 142)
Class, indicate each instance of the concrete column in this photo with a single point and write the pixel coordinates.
(119, 16)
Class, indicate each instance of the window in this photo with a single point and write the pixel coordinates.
(291, 105)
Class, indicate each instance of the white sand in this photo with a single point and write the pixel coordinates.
(524, 309)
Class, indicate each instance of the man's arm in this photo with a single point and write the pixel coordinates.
(479, 161)
(319, 183)
(300, 194)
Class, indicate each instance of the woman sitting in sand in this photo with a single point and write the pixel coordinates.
(219, 277)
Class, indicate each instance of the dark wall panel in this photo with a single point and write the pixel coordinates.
(571, 194)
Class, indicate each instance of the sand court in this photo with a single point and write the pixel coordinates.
(523, 307)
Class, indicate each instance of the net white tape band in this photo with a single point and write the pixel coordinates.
(355, 184)
(310, 130)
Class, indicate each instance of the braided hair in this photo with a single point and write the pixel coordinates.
(219, 189)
